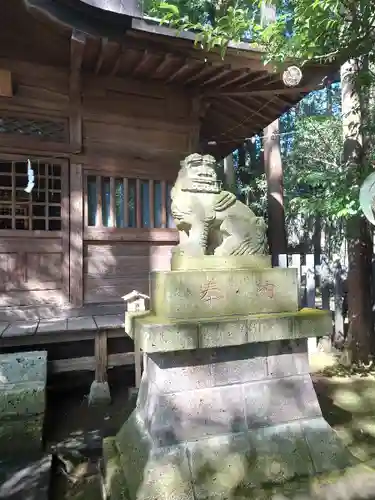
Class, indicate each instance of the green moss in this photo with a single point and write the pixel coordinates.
(305, 314)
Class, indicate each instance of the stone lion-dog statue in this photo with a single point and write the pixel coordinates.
(212, 221)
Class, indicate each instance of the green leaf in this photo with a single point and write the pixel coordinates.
(174, 10)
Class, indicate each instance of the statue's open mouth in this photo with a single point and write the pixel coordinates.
(204, 175)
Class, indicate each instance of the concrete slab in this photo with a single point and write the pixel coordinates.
(20, 328)
(52, 326)
(110, 321)
(3, 326)
(81, 323)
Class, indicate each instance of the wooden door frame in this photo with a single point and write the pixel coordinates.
(64, 233)
(76, 247)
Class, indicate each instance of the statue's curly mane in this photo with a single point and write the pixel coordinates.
(180, 181)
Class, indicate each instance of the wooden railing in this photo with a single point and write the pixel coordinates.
(321, 286)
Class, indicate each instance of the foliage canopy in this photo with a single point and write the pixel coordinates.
(302, 30)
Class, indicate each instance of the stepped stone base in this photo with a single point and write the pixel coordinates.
(228, 475)
(221, 423)
(155, 334)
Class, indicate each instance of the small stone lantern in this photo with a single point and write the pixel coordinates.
(135, 301)
(135, 304)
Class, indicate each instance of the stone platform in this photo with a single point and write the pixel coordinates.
(221, 422)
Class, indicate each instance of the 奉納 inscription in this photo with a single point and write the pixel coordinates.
(209, 292)
(266, 289)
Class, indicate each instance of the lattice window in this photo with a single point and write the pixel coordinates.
(44, 129)
(39, 210)
(128, 203)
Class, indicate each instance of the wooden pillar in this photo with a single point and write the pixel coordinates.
(274, 173)
(229, 174)
(76, 234)
(76, 208)
(195, 118)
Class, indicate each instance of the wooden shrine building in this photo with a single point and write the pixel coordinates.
(100, 116)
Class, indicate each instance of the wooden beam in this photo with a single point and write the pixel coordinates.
(186, 66)
(208, 68)
(238, 59)
(196, 117)
(238, 78)
(77, 48)
(142, 63)
(258, 107)
(165, 63)
(224, 72)
(99, 62)
(250, 111)
(87, 363)
(274, 173)
(263, 92)
(6, 89)
(257, 78)
(118, 61)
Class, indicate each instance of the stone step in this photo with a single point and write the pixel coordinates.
(273, 463)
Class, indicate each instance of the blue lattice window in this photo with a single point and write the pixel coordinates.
(127, 203)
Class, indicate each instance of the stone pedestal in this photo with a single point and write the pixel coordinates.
(226, 406)
(24, 469)
(23, 378)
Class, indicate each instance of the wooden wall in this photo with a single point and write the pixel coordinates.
(108, 127)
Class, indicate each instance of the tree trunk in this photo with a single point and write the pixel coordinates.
(359, 290)
(359, 287)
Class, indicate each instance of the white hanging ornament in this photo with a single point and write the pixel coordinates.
(30, 178)
(292, 76)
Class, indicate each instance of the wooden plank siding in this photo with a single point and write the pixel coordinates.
(118, 132)
(128, 233)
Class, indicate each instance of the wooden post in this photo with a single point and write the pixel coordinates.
(135, 303)
(229, 174)
(274, 174)
(76, 235)
(101, 356)
(99, 390)
(339, 302)
(310, 296)
(77, 47)
(196, 119)
(325, 291)
(76, 181)
(296, 264)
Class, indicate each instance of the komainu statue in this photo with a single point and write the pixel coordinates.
(212, 221)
